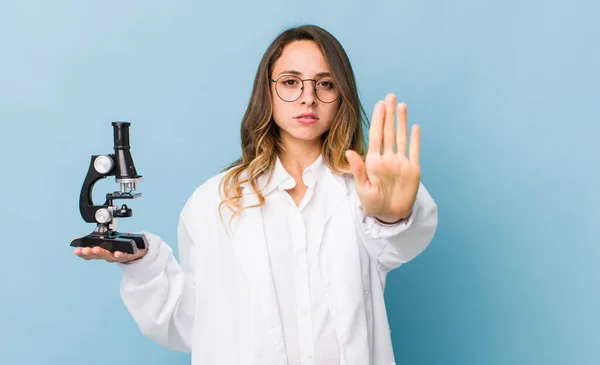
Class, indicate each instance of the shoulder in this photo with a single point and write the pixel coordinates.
(210, 187)
(204, 199)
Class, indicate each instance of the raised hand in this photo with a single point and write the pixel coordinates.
(388, 180)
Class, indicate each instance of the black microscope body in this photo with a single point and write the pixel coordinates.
(118, 164)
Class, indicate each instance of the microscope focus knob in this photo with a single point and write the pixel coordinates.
(103, 164)
(103, 216)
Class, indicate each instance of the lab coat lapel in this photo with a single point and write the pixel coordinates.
(250, 246)
(339, 260)
(334, 192)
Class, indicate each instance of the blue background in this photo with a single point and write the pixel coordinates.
(507, 96)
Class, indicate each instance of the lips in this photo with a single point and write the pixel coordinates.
(307, 118)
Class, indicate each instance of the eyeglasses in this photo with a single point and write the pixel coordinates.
(289, 88)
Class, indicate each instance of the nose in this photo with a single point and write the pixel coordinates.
(308, 93)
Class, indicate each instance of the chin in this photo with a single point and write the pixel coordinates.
(307, 135)
(305, 138)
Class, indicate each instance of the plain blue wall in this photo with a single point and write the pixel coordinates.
(507, 96)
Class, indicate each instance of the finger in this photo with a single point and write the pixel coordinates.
(93, 253)
(103, 254)
(388, 127)
(116, 256)
(86, 253)
(123, 257)
(401, 132)
(79, 252)
(357, 165)
(376, 129)
(415, 144)
(93, 256)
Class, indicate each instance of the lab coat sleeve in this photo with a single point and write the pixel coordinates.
(392, 245)
(158, 291)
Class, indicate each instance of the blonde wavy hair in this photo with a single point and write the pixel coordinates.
(260, 134)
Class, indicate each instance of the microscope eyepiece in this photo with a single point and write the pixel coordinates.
(125, 172)
(121, 134)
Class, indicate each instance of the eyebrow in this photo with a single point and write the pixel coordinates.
(298, 73)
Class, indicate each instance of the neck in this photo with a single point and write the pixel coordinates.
(298, 155)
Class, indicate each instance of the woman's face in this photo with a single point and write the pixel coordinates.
(307, 117)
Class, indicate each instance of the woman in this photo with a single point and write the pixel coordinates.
(283, 257)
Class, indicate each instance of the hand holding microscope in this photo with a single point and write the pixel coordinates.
(119, 164)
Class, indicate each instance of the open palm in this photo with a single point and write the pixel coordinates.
(388, 179)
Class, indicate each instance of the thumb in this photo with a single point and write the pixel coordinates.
(357, 165)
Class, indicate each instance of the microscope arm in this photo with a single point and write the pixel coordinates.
(86, 205)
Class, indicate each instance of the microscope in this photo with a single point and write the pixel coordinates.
(118, 164)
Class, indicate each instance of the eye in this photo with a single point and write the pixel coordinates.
(326, 84)
(291, 81)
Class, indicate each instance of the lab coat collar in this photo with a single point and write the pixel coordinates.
(280, 178)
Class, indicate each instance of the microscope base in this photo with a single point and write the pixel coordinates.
(115, 241)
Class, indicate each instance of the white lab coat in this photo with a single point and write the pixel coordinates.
(219, 303)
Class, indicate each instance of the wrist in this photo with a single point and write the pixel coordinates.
(391, 220)
(388, 220)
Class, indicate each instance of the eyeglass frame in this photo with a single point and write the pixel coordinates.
(302, 92)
